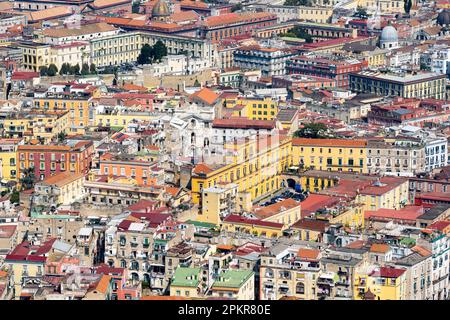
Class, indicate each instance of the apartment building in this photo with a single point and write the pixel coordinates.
(289, 271)
(48, 160)
(330, 154)
(406, 85)
(398, 157)
(253, 163)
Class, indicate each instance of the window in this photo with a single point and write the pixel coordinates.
(300, 288)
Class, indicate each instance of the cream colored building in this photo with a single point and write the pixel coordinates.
(289, 272)
(60, 189)
(235, 284)
(72, 53)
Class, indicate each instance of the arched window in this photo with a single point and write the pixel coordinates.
(300, 288)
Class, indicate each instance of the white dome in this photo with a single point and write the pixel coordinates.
(389, 34)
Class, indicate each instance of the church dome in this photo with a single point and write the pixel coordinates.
(389, 34)
(443, 18)
(160, 9)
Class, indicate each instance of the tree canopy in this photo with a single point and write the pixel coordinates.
(307, 3)
(313, 130)
(407, 6)
(299, 32)
(52, 70)
(149, 54)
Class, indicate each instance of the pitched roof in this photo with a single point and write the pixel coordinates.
(311, 224)
(48, 14)
(234, 218)
(103, 284)
(273, 209)
(84, 29)
(388, 272)
(206, 95)
(380, 248)
(308, 254)
(202, 168)
(62, 178)
(100, 4)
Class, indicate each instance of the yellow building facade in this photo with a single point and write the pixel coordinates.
(78, 108)
(380, 283)
(8, 149)
(330, 154)
(37, 125)
(254, 108)
(254, 164)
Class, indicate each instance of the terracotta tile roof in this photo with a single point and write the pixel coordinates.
(422, 251)
(404, 214)
(311, 224)
(133, 87)
(202, 168)
(357, 244)
(380, 248)
(356, 143)
(308, 254)
(100, 4)
(84, 29)
(315, 202)
(234, 218)
(232, 18)
(103, 284)
(440, 225)
(61, 179)
(206, 95)
(7, 231)
(184, 16)
(48, 14)
(273, 209)
(194, 4)
(387, 272)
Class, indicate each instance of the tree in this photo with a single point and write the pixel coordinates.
(52, 70)
(92, 68)
(236, 7)
(307, 3)
(28, 179)
(75, 69)
(407, 6)
(15, 197)
(43, 71)
(135, 7)
(146, 54)
(61, 136)
(298, 32)
(85, 69)
(196, 83)
(312, 130)
(361, 13)
(65, 69)
(159, 50)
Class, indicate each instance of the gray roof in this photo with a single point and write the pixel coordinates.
(434, 212)
(410, 260)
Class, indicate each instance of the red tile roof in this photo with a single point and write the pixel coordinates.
(387, 272)
(206, 95)
(315, 202)
(234, 218)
